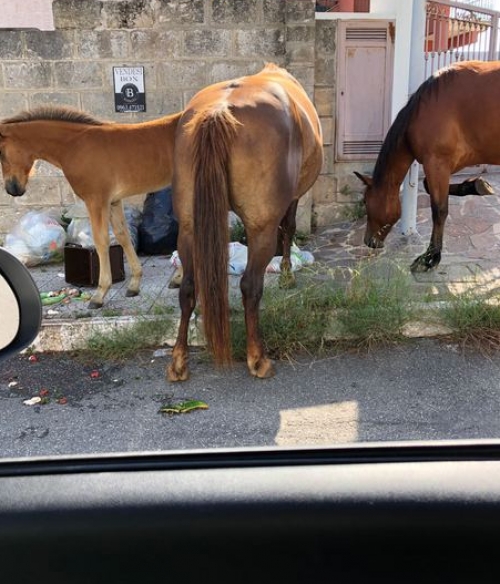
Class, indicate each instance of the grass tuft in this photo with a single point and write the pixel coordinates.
(475, 321)
(370, 311)
(377, 304)
(122, 343)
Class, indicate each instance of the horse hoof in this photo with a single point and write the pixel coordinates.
(93, 305)
(425, 263)
(483, 188)
(263, 369)
(174, 375)
(419, 267)
(131, 293)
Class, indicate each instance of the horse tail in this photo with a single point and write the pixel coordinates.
(212, 133)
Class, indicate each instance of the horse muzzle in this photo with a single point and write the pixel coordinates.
(13, 187)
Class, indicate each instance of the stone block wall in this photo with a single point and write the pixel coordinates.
(183, 45)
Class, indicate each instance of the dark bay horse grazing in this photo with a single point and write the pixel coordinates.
(452, 121)
(252, 145)
(103, 162)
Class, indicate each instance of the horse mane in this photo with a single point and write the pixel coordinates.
(55, 113)
(396, 136)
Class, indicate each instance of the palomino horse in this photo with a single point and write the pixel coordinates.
(103, 162)
(450, 122)
(252, 145)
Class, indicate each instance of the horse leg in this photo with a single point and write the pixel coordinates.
(261, 247)
(438, 182)
(99, 220)
(287, 232)
(178, 368)
(122, 234)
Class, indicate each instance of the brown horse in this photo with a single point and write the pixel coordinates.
(252, 145)
(103, 162)
(452, 121)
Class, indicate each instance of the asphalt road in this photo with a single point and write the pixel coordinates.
(425, 389)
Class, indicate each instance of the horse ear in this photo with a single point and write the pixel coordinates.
(364, 178)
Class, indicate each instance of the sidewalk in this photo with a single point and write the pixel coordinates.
(470, 261)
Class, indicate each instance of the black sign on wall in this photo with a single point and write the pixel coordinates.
(130, 95)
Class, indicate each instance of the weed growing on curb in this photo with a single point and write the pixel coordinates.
(340, 308)
(475, 321)
(376, 305)
(121, 343)
(371, 310)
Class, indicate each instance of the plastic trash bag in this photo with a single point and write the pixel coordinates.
(36, 239)
(238, 258)
(159, 228)
(79, 231)
(298, 259)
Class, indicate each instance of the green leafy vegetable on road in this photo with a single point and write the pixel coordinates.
(184, 407)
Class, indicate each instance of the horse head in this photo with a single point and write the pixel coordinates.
(16, 162)
(383, 209)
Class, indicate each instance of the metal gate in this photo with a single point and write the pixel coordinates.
(459, 31)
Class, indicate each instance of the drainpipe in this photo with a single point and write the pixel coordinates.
(417, 72)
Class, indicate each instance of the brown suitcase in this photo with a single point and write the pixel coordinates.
(81, 265)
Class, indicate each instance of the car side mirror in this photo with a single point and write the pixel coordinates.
(20, 306)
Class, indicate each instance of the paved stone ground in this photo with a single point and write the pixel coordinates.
(471, 250)
(470, 261)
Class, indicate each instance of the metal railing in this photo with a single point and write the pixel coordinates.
(459, 31)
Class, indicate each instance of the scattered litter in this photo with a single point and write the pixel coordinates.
(160, 353)
(32, 358)
(43, 393)
(13, 383)
(33, 401)
(238, 257)
(94, 374)
(63, 295)
(62, 401)
(184, 407)
(52, 312)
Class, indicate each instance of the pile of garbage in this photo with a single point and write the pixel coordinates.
(41, 236)
(238, 258)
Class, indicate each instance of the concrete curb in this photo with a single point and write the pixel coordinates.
(70, 335)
